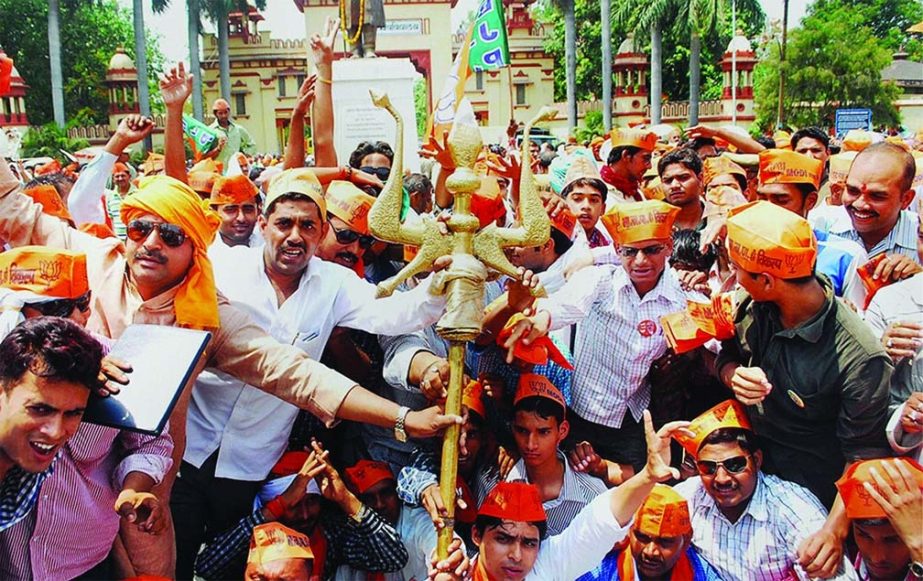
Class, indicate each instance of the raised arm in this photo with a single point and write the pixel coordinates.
(175, 88)
(744, 144)
(294, 148)
(322, 117)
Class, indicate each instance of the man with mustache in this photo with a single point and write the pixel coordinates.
(626, 163)
(681, 175)
(878, 193)
(746, 523)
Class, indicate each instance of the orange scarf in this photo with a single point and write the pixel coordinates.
(480, 573)
(196, 303)
(682, 570)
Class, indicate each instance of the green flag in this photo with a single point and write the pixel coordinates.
(201, 137)
(489, 46)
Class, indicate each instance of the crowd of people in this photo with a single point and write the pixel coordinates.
(723, 378)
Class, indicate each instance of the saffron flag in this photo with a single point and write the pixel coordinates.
(200, 137)
(6, 73)
(485, 47)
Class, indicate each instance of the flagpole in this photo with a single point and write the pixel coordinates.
(509, 76)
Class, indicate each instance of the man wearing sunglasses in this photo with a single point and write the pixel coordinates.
(373, 157)
(746, 523)
(237, 202)
(347, 237)
(617, 310)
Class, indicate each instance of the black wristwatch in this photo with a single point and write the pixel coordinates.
(916, 569)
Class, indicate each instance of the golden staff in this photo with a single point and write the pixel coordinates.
(472, 252)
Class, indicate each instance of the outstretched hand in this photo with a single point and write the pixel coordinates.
(322, 45)
(658, 448)
(305, 96)
(176, 86)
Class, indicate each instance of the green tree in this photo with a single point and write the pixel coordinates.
(90, 33)
(218, 11)
(833, 61)
(48, 141)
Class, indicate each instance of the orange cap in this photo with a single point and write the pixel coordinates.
(473, 398)
(565, 222)
(46, 196)
(763, 237)
(41, 270)
(721, 199)
(727, 414)
(274, 541)
(236, 189)
(98, 230)
(120, 167)
(53, 166)
(538, 352)
(638, 221)
(297, 181)
(209, 165)
(783, 139)
(487, 203)
(350, 204)
(535, 385)
(782, 166)
(664, 514)
(203, 182)
(515, 501)
(654, 190)
(640, 138)
(856, 140)
(839, 166)
(720, 165)
(367, 473)
(859, 503)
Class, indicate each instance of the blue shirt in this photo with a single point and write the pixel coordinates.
(834, 259)
(608, 569)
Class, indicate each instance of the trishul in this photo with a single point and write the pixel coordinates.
(471, 249)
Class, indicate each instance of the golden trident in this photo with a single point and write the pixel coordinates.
(472, 252)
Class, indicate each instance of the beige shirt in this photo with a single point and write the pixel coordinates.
(239, 348)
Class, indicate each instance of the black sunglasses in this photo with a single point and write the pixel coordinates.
(64, 307)
(381, 172)
(171, 234)
(734, 465)
(629, 252)
(347, 236)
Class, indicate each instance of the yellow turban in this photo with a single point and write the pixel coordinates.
(173, 201)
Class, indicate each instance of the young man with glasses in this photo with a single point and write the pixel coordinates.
(745, 523)
(617, 310)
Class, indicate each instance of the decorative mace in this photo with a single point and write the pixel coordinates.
(472, 253)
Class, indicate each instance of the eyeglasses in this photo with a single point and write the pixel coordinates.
(233, 209)
(734, 465)
(629, 252)
(64, 307)
(381, 172)
(171, 234)
(347, 236)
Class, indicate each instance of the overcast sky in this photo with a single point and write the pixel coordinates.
(284, 20)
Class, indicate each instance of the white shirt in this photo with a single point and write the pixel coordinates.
(249, 427)
(219, 246)
(619, 335)
(762, 544)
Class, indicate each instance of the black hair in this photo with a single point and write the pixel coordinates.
(812, 132)
(541, 406)
(871, 522)
(561, 242)
(684, 156)
(57, 180)
(767, 142)
(367, 148)
(700, 142)
(484, 523)
(546, 157)
(595, 183)
(889, 149)
(52, 348)
(617, 153)
(418, 183)
(686, 250)
(743, 438)
(289, 197)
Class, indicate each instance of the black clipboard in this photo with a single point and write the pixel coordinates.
(163, 360)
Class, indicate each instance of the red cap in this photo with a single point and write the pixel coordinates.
(516, 501)
(367, 473)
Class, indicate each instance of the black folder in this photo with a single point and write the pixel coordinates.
(163, 360)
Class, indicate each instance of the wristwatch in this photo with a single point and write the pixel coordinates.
(399, 433)
(916, 569)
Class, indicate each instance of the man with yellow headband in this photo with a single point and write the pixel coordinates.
(617, 310)
(164, 277)
(235, 431)
(815, 377)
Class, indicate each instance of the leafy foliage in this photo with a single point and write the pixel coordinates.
(833, 60)
(48, 141)
(592, 127)
(90, 33)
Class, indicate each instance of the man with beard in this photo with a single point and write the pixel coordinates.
(746, 523)
(879, 189)
(659, 545)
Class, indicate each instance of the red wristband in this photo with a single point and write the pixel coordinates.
(276, 508)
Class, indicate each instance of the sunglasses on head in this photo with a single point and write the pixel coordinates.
(347, 236)
(629, 252)
(381, 172)
(171, 234)
(734, 465)
(64, 307)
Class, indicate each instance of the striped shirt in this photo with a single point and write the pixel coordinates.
(73, 525)
(18, 494)
(902, 239)
(618, 338)
(762, 544)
